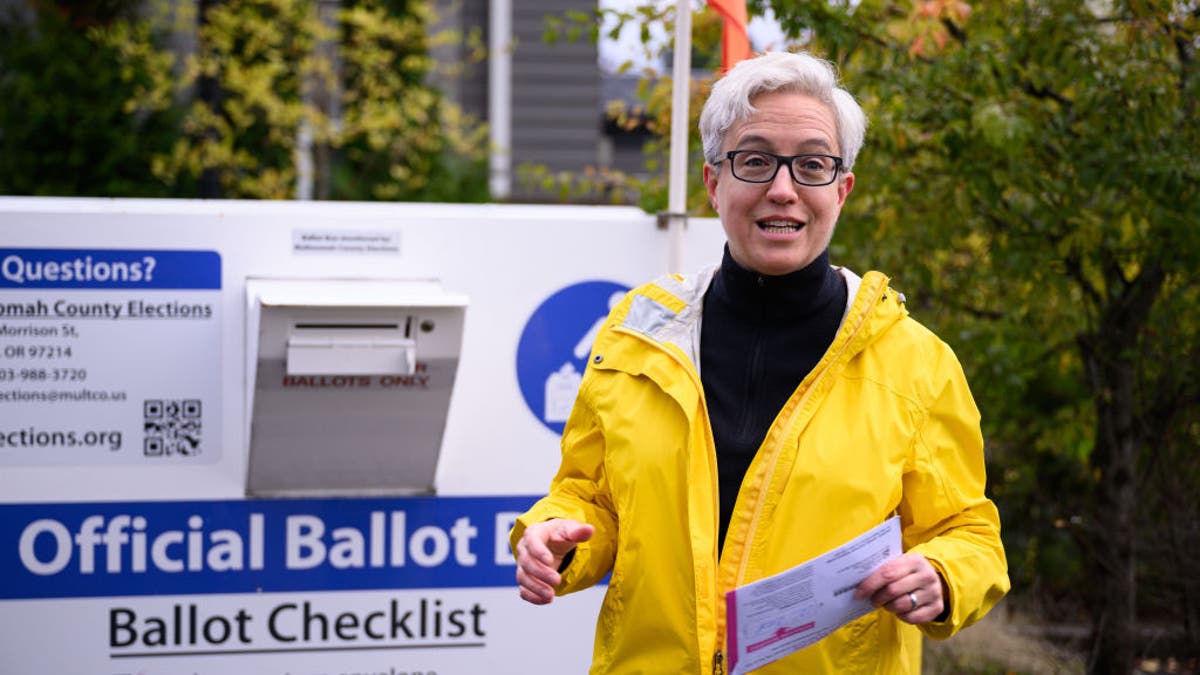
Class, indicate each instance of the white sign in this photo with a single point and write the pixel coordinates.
(122, 553)
(372, 242)
(417, 584)
(315, 633)
(109, 356)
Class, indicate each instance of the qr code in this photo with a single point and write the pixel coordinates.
(172, 427)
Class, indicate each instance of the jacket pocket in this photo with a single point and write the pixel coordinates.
(855, 647)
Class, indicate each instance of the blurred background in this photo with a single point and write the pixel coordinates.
(1029, 181)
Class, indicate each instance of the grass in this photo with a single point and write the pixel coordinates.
(994, 647)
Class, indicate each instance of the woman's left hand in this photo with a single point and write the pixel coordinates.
(907, 586)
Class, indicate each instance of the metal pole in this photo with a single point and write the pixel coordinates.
(500, 99)
(676, 215)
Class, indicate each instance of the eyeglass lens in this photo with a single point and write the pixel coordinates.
(761, 167)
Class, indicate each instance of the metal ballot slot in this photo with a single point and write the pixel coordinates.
(351, 349)
(348, 384)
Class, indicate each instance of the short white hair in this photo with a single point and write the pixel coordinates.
(801, 73)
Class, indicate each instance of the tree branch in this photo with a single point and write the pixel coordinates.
(975, 312)
(956, 31)
(1074, 268)
(1186, 50)
(1126, 313)
(1046, 93)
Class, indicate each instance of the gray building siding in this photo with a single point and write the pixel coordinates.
(556, 110)
(462, 80)
(557, 113)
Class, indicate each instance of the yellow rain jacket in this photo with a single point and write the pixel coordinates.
(884, 425)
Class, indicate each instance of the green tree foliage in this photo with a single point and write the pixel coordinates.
(232, 98)
(1031, 179)
(65, 128)
(400, 139)
(354, 83)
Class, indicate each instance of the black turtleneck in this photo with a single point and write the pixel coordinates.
(760, 336)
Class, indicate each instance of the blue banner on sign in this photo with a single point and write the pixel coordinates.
(553, 350)
(168, 548)
(108, 268)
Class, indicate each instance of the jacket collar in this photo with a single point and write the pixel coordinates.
(669, 309)
(767, 299)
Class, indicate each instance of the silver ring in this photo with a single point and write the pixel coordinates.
(912, 597)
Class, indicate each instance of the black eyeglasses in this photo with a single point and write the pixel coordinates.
(757, 166)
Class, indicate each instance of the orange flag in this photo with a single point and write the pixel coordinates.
(735, 44)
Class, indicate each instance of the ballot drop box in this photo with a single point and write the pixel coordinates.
(292, 437)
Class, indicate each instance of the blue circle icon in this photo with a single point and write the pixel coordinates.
(553, 350)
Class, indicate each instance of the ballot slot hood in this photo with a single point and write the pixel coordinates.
(348, 384)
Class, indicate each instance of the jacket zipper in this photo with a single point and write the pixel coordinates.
(744, 560)
(750, 391)
(718, 667)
